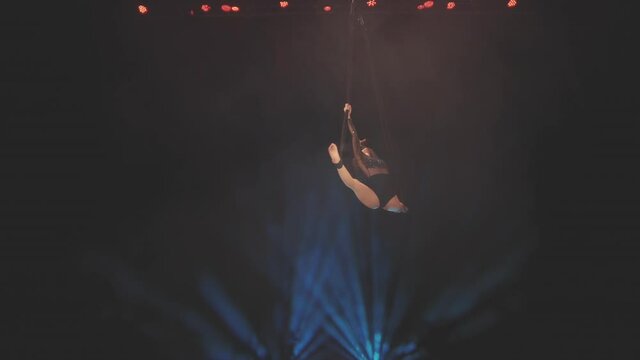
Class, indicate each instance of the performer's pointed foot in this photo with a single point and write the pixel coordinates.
(333, 153)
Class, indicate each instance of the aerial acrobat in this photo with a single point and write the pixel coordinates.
(372, 185)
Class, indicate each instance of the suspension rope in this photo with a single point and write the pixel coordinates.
(390, 146)
(381, 113)
(349, 75)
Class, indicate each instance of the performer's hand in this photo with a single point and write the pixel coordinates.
(347, 109)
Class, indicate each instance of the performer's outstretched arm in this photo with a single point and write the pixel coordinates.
(355, 142)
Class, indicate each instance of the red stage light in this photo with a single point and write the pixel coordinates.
(205, 7)
(235, 9)
(191, 12)
(327, 8)
(420, 7)
(428, 4)
(225, 8)
(143, 9)
(284, 4)
(512, 3)
(372, 3)
(451, 5)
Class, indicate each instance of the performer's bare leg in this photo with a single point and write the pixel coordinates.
(362, 192)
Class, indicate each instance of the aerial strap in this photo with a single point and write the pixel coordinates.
(389, 146)
(380, 109)
(349, 75)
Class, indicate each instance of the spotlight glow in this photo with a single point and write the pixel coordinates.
(143, 10)
(284, 4)
(372, 3)
(235, 8)
(451, 5)
(327, 8)
(420, 7)
(428, 4)
(512, 3)
(205, 7)
(225, 8)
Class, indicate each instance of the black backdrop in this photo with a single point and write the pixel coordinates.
(168, 146)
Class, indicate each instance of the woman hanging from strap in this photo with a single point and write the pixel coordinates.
(373, 185)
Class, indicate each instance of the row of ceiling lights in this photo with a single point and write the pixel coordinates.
(144, 9)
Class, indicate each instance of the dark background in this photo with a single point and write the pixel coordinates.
(167, 146)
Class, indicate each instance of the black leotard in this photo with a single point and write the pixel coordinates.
(382, 185)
